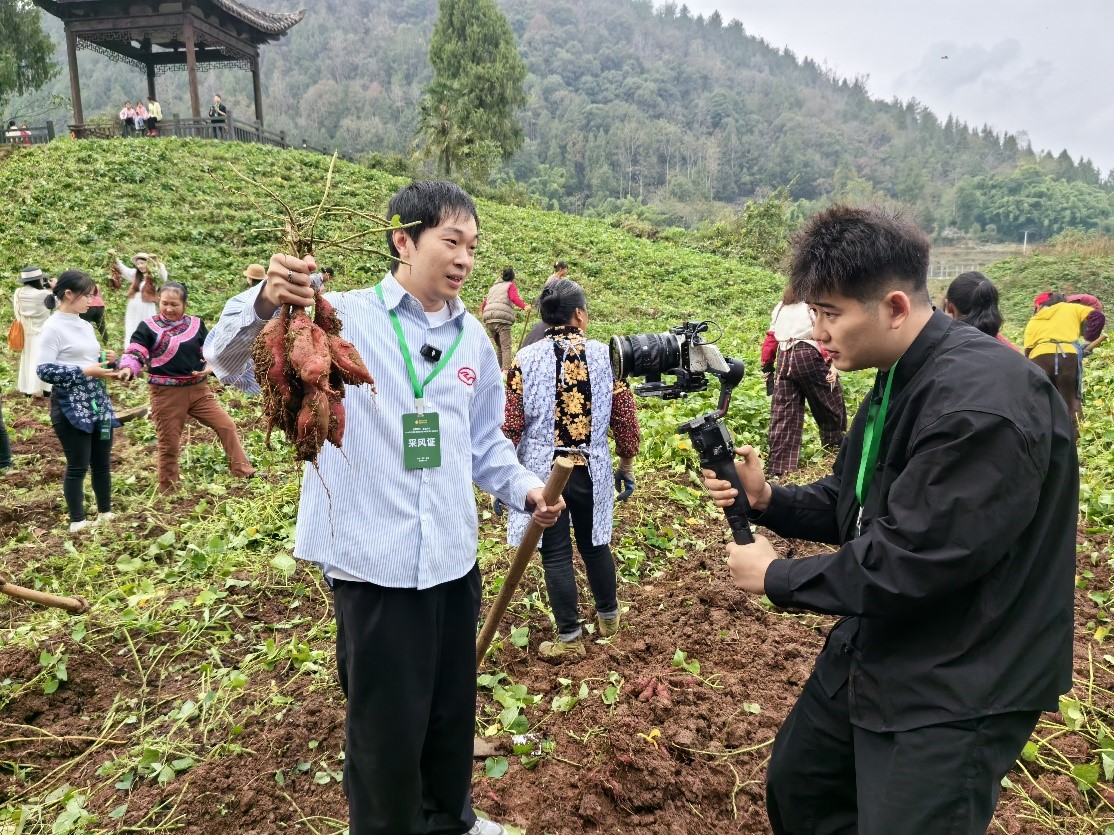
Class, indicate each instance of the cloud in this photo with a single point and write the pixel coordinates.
(963, 67)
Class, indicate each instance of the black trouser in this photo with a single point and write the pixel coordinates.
(1063, 371)
(5, 443)
(560, 579)
(828, 777)
(95, 317)
(407, 664)
(84, 451)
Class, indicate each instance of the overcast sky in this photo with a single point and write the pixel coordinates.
(1043, 67)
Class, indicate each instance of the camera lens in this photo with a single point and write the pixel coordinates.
(644, 354)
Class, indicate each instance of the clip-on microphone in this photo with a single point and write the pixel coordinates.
(430, 353)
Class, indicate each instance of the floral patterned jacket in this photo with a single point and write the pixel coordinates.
(83, 400)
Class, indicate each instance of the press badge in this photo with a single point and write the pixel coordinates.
(421, 440)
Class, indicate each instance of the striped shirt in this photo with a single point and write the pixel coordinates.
(367, 517)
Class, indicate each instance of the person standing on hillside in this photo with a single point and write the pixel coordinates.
(218, 113)
(408, 599)
(537, 333)
(81, 413)
(5, 444)
(562, 399)
(142, 291)
(560, 270)
(801, 375)
(94, 314)
(498, 312)
(953, 505)
(169, 345)
(28, 302)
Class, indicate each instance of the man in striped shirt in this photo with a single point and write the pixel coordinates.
(401, 556)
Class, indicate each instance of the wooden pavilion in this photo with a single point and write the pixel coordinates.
(164, 35)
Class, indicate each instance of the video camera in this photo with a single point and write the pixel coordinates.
(683, 353)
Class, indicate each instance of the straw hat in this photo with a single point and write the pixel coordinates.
(255, 272)
(29, 274)
(140, 256)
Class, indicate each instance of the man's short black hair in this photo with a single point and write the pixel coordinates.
(430, 203)
(858, 253)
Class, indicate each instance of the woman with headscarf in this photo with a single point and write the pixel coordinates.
(561, 400)
(170, 345)
(31, 312)
(142, 290)
(71, 359)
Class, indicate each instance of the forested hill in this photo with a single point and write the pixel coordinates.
(629, 103)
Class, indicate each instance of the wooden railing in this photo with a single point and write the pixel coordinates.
(29, 136)
(230, 130)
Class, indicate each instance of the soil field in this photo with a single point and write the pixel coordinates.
(665, 729)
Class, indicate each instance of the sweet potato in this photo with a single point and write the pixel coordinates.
(302, 366)
(349, 363)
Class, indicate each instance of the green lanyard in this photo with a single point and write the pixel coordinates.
(419, 385)
(872, 438)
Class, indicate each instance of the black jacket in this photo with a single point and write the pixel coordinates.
(959, 591)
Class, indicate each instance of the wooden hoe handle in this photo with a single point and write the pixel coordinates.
(74, 605)
(558, 478)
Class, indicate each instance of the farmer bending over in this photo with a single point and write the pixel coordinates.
(954, 503)
(401, 557)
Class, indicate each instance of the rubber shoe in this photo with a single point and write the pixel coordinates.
(76, 527)
(608, 626)
(105, 518)
(486, 827)
(559, 650)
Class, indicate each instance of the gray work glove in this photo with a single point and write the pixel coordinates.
(624, 485)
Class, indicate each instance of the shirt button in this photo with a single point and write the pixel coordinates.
(425, 479)
(425, 517)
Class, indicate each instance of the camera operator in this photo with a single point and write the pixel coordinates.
(953, 502)
(561, 400)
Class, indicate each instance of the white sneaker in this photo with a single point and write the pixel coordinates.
(79, 526)
(486, 827)
(105, 518)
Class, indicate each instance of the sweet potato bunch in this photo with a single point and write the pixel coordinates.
(302, 366)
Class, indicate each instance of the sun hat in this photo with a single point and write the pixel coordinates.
(29, 274)
(255, 272)
(144, 256)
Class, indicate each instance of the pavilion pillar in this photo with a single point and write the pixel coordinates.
(191, 64)
(258, 89)
(147, 63)
(75, 82)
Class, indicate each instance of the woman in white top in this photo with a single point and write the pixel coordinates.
(70, 358)
(30, 312)
(143, 293)
(802, 375)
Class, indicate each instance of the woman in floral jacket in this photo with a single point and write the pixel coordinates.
(562, 399)
(70, 358)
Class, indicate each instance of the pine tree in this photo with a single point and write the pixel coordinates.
(25, 50)
(478, 83)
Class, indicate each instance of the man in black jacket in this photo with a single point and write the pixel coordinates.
(953, 503)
